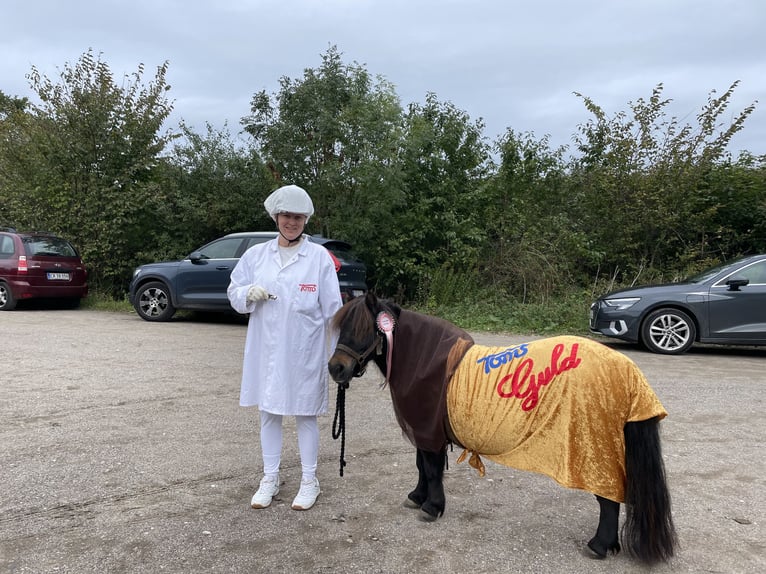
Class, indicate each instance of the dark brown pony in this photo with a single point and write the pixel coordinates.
(419, 355)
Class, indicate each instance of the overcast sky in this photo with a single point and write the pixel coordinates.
(515, 64)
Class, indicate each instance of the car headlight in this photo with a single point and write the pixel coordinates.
(621, 304)
(136, 271)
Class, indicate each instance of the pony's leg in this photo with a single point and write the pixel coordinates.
(417, 497)
(606, 539)
(433, 472)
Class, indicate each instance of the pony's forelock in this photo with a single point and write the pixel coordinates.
(355, 317)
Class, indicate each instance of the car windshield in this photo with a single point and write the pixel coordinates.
(48, 247)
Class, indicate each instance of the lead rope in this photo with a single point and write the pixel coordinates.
(339, 422)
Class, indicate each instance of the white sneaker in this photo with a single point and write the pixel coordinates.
(267, 490)
(307, 495)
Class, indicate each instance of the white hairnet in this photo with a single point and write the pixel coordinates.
(289, 199)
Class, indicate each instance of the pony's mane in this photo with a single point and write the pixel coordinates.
(356, 316)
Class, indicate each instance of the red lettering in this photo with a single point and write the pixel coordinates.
(526, 386)
(571, 361)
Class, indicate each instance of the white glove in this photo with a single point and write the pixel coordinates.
(257, 293)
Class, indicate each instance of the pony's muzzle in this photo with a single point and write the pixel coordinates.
(341, 368)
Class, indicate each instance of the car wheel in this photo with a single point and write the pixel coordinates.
(152, 302)
(7, 302)
(668, 331)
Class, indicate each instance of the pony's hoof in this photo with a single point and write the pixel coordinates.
(430, 512)
(596, 550)
(600, 550)
(409, 503)
(426, 517)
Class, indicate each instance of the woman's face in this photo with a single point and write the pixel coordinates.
(291, 225)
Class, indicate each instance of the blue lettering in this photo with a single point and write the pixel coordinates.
(499, 359)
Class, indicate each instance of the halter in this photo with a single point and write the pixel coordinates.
(362, 358)
(385, 324)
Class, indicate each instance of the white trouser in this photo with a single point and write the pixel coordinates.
(271, 443)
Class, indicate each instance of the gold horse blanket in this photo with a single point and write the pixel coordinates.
(555, 406)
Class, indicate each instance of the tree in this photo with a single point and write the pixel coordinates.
(220, 187)
(13, 126)
(738, 225)
(532, 247)
(336, 132)
(10, 105)
(642, 182)
(85, 162)
(443, 160)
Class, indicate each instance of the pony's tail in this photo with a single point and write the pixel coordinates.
(648, 533)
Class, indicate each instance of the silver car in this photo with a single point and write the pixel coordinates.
(724, 305)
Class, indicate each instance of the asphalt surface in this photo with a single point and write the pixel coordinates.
(123, 449)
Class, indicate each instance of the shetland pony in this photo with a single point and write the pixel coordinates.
(567, 407)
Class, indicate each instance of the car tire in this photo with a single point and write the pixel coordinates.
(668, 332)
(7, 300)
(152, 302)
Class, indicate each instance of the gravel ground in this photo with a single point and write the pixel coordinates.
(123, 449)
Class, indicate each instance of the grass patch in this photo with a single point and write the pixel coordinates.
(567, 315)
(100, 302)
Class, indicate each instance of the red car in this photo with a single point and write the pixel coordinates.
(39, 265)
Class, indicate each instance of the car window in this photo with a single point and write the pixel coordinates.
(756, 273)
(256, 240)
(6, 245)
(48, 247)
(344, 253)
(225, 248)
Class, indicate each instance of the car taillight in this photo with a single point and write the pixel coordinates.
(335, 260)
(23, 264)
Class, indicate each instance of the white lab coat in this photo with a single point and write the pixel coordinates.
(289, 340)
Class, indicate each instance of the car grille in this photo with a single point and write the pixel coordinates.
(593, 314)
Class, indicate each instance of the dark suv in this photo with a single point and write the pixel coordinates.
(199, 281)
(39, 265)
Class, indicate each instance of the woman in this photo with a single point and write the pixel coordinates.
(289, 287)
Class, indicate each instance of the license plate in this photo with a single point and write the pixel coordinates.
(357, 292)
(58, 276)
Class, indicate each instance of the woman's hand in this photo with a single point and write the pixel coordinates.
(257, 293)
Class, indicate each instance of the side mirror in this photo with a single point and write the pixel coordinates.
(196, 257)
(736, 282)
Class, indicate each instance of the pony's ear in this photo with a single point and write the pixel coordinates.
(371, 301)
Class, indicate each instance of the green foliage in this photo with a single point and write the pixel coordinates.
(82, 161)
(400, 187)
(99, 301)
(10, 105)
(509, 236)
(533, 246)
(220, 188)
(487, 309)
(442, 160)
(335, 131)
(643, 184)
